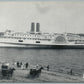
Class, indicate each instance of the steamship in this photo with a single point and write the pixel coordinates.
(36, 39)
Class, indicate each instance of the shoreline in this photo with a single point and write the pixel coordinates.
(21, 76)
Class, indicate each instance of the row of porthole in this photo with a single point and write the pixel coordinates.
(26, 38)
(34, 35)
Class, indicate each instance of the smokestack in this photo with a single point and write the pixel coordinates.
(32, 27)
(37, 27)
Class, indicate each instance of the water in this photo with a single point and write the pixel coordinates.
(60, 60)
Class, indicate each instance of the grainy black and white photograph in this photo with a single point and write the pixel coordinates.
(41, 41)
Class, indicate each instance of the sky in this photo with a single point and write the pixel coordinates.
(53, 16)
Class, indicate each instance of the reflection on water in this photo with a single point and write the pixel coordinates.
(58, 59)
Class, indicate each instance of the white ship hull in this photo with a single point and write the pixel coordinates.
(43, 46)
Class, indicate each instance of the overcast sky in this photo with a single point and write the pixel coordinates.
(53, 16)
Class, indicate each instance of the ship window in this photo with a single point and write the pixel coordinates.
(19, 37)
(9, 37)
(24, 38)
(5, 37)
(16, 38)
(48, 39)
(37, 41)
(20, 40)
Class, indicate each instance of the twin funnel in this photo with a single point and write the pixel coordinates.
(35, 28)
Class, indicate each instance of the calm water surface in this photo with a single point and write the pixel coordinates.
(59, 60)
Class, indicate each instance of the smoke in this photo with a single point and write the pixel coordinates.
(42, 7)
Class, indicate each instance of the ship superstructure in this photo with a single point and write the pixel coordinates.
(36, 39)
